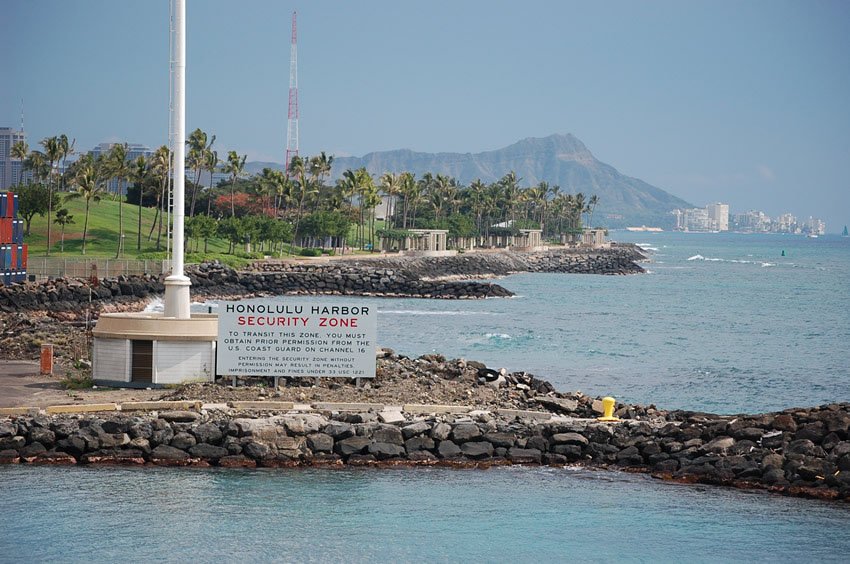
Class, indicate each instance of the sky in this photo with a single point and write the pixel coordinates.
(744, 102)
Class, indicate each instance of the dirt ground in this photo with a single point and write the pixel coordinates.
(21, 385)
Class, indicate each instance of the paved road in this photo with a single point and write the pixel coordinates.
(21, 384)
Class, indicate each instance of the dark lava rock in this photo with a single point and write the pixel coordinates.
(164, 452)
(524, 455)
(320, 442)
(465, 432)
(383, 451)
(477, 449)
(448, 449)
(183, 441)
(179, 416)
(208, 433)
(208, 451)
(352, 445)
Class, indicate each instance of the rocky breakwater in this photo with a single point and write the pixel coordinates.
(341, 279)
(802, 452)
(621, 259)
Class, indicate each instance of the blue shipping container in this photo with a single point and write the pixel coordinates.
(7, 277)
(4, 198)
(14, 207)
(5, 257)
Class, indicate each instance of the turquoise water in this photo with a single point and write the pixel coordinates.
(403, 515)
(722, 323)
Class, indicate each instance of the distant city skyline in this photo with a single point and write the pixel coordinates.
(710, 101)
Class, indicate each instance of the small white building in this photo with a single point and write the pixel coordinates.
(143, 350)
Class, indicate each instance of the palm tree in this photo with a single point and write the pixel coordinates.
(235, 166)
(19, 151)
(210, 163)
(591, 205)
(412, 192)
(66, 149)
(299, 169)
(320, 166)
(160, 164)
(476, 194)
(53, 153)
(63, 218)
(37, 163)
(88, 187)
(391, 186)
(140, 175)
(120, 170)
(196, 160)
(510, 188)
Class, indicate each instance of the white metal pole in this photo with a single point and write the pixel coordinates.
(177, 285)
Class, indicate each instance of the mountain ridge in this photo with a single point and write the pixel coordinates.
(559, 159)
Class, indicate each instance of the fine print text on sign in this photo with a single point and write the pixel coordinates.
(271, 337)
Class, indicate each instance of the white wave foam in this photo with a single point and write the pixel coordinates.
(697, 257)
(767, 264)
(157, 305)
(498, 336)
(424, 312)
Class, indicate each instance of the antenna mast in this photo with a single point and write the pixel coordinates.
(292, 125)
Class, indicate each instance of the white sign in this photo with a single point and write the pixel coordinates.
(273, 337)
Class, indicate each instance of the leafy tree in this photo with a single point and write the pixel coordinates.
(323, 224)
(32, 201)
(201, 227)
(63, 218)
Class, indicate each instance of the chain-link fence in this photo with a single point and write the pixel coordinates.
(50, 267)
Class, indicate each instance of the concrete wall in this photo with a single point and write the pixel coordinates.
(175, 362)
(111, 360)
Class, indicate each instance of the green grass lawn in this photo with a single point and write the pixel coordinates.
(102, 236)
(103, 231)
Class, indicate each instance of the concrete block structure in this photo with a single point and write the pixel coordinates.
(148, 350)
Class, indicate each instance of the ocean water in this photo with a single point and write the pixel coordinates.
(403, 515)
(722, 323)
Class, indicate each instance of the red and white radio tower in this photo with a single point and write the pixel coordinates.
(292, 126)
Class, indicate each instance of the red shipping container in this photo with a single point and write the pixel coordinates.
(13, 257)
(24, 250)
(10, 206)
(5, 230)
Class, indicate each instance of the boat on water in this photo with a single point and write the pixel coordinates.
(844, 233)
(644, 228)
(812, 235)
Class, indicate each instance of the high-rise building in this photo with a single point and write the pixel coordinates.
(719, 215)
(134, 151)
(10, 168)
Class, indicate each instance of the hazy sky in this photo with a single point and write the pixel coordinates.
(746, 102)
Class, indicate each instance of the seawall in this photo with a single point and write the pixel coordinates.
(437, 277)
(800, 452)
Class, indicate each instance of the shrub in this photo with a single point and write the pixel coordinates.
(77, 381)
(311, 252)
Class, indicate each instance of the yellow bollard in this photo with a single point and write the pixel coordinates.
(608, 410)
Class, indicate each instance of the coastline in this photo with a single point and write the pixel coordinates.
(802, 452)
